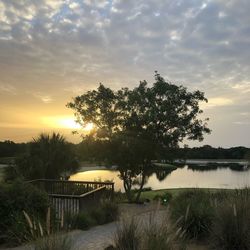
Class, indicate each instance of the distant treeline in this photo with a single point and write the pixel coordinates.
(208, 152)
(12, 149)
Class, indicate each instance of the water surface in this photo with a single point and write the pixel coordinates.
(179, 178)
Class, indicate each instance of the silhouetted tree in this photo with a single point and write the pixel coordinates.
(137, 125)
(49, 157)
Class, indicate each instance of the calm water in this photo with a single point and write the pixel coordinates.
(179, 178)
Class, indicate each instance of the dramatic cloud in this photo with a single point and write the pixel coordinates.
(55, 49)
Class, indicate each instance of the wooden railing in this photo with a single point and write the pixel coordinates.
(74, 196)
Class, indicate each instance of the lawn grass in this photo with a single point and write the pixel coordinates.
(174, 192)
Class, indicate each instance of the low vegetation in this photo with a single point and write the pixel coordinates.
(14, 199)
(231, 225)
(149, 235)
(197, 210)
(105, 213)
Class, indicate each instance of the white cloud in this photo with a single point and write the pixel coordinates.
(42, 97)
(7, 88)
(217, 102)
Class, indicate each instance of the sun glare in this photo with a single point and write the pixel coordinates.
(66, 122)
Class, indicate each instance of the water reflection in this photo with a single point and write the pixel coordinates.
(179, 178)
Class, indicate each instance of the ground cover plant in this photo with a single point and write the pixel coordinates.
(150, 234)
(231, 225)
(105, 213)
(14, 199)
(197, 210)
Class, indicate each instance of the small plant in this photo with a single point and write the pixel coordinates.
(111, 211)
(127, 236)
(14, 199)
(231, 226)
(54, 242)
(83, 221)
(197, 210)
(162, 236)
(164, 198)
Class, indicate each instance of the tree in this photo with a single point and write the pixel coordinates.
(137, 126)
(48, 157)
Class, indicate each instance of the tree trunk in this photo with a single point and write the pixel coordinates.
(141, 186)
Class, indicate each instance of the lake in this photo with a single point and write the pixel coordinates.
(185, 177)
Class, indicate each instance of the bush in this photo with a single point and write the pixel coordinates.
(197, 211)
(127, 236)
(162, 236)
(111, 211)
(14, 198)
(164, 198)
(82, 221)
(154, 235)
(53, 242)
(105, 213)
(231, 226)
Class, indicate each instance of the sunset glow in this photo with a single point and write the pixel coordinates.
(60, 122)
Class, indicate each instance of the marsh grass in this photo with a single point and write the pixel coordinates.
(231, 225)
(152, 232)
(54, 242)
(128, 235)
(197, 209)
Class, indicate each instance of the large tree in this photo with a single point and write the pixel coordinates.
(137, 126)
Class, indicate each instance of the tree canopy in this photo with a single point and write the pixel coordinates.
(137, 126)
(48, 157)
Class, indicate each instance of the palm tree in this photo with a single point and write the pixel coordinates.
(49, 157)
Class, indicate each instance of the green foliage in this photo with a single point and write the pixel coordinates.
(105, 213)
(164, 198)
(162, 236)
(151, 234)
(54, 242)
(134, 127)
(49, 157)
(14, 198)
(83, 221)
(127, 236)
(231, 226)
(197, 211)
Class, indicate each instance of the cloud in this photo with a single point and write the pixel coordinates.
(217, 102)
(8, 89)
(70, 46)
(42, 97)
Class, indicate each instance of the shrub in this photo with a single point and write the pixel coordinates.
(197, 211)
(14, 198)
(153, 234)
(162, 236)
(231, 226)
(83, 221)
(164, 198)
(127, 236)
(53, 242)
(111, 211)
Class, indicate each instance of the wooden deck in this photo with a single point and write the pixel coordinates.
(71, 197)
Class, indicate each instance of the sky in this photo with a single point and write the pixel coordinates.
(54, 50)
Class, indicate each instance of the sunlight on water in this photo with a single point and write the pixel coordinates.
(180, 178)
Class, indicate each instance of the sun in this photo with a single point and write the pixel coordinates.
(88, 127)
(66, 122)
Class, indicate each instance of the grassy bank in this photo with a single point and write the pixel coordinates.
(175, 192)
